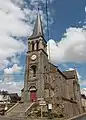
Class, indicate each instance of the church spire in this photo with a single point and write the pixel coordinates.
(38, 29)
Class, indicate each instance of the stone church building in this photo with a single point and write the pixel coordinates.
(45, 80)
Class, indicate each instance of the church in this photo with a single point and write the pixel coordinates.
(43, 80)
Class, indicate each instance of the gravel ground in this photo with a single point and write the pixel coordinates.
(6, 118)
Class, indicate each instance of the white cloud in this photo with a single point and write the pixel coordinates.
(11, 24)
(70, 69)
(16, 18)
(83, 82)
(3, 63)
(71, 48)
(15, 59)
(11, 19)
(11, 86)
(14, 69)
(10, 73)
(10, 82)
(83, 91)
(85, 8)
(79, 76)
(36, 2)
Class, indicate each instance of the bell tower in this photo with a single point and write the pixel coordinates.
(36, 41)
(36, 64)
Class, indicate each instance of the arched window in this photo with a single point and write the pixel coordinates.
(37, 45)
(32, 45)
(33, 70)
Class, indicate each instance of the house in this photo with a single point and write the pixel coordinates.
(83, 99)
(14, 97)
(6, 97)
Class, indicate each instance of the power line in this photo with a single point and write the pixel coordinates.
(48, 43)
(24, 73)
(48, 35)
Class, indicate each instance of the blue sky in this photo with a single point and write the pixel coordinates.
(67, 26)
(66, 13)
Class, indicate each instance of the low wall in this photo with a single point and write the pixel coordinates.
(79, 117)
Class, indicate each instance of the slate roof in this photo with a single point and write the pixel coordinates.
(38, 29)
(69, 74)
(83, 96)
(13, 95)
(3, 92)
(22, 89)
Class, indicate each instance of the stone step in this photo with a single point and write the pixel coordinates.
(20, 107)
(17, 114)
(19, 110)
(10, 118)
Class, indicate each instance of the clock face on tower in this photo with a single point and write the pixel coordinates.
(33, 57)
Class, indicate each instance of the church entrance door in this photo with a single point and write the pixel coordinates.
(33, 96)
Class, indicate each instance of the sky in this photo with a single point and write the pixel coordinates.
(67, 38)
